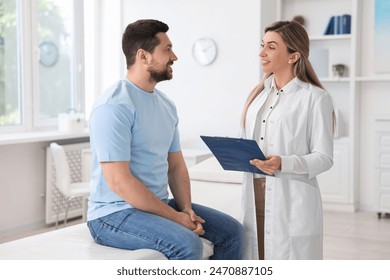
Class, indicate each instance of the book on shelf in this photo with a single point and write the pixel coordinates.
(339, 24)
(345, 24)
(330, 26)
(336, 29)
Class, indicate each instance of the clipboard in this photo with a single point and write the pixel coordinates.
(235, 153)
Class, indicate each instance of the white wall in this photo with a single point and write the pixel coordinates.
(209, 99)
(23, 185)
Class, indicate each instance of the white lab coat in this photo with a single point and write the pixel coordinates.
(301, 124)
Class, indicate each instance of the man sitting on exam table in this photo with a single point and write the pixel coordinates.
(136, 154)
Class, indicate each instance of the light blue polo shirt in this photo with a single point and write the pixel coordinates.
(129, 124)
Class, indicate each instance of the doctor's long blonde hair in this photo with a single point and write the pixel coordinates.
(296, 39)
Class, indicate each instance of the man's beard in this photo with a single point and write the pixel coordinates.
(158, 76)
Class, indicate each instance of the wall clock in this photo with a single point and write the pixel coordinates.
(204, 51)
(48, 54)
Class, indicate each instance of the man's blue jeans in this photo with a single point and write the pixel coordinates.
(134, 229)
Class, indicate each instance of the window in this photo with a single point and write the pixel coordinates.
(10, 113)
(41, 62)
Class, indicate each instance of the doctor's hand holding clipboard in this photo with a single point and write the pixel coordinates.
(239, 154)
(270, 166)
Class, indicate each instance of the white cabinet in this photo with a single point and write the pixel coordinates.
(382, 163)
(335, 184)
(339, 186)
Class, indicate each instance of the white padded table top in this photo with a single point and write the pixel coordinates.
(210, 186)
(75, 243)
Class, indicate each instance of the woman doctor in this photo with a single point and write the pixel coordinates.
(290, 115)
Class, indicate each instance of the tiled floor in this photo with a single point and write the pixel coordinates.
(347, 236)
(356, 236)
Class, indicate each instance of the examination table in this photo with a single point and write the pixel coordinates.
(211, 186)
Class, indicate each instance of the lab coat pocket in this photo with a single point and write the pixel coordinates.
(306, 209)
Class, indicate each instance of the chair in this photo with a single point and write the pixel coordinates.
(69, 189)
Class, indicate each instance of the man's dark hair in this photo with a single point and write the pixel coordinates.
(141, 35)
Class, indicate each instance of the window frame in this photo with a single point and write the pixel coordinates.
(28, 76)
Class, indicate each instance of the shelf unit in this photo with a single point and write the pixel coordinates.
(382, 163)
(339, 186)
(373, 79)
(331, 37)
